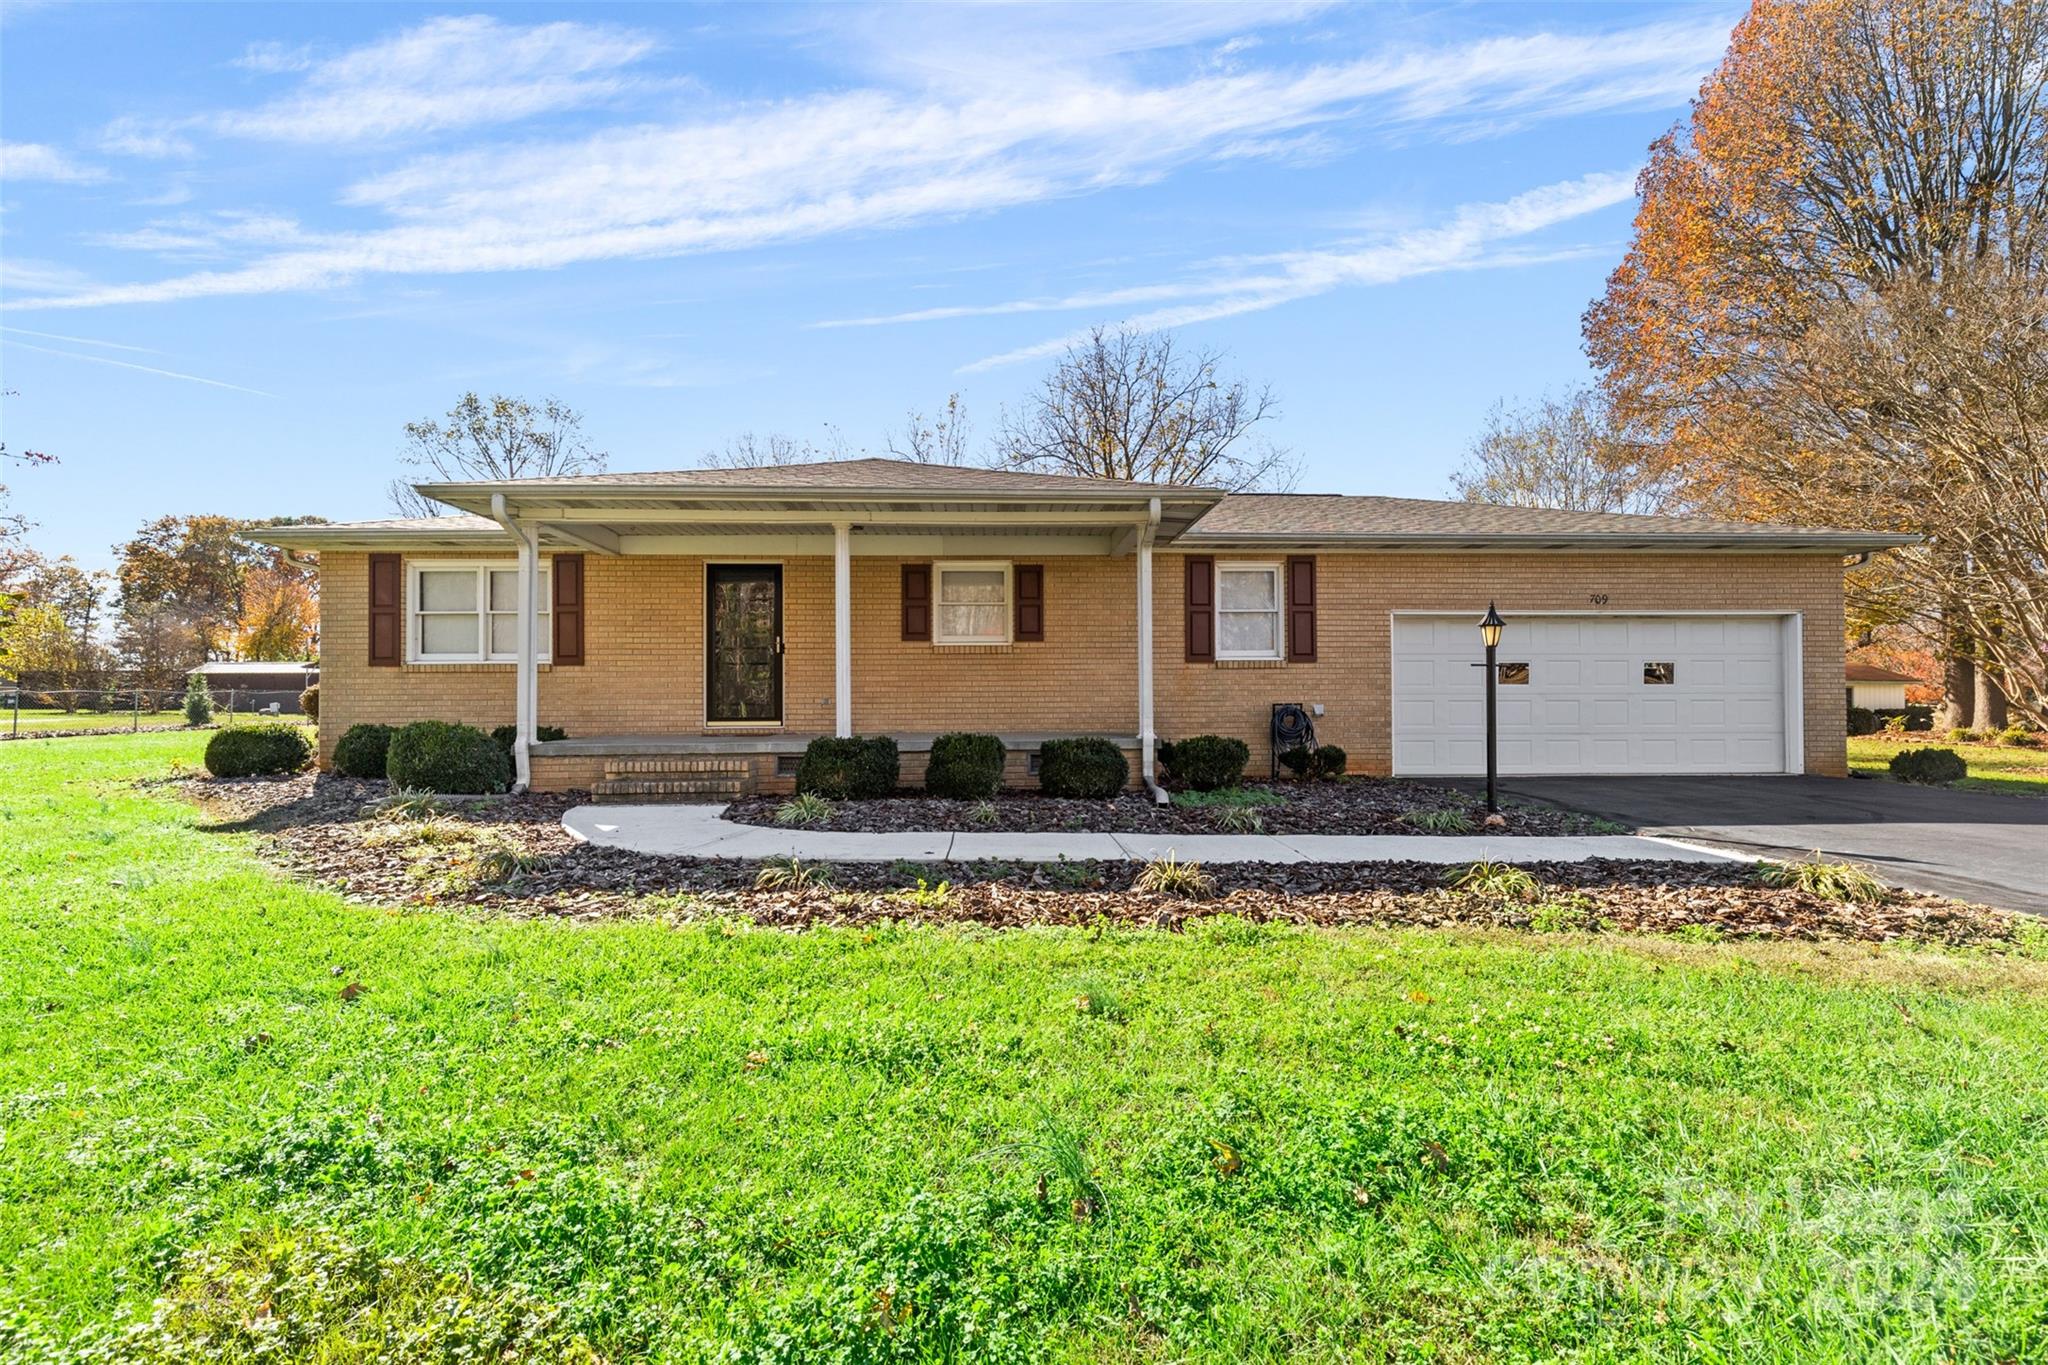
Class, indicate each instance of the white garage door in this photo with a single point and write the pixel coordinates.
(1584, 694)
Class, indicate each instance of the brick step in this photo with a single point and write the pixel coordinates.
(677, 765)
(655, 789)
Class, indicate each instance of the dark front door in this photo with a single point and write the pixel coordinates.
(743, 643)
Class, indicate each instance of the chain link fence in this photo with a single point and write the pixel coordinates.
(27, 709)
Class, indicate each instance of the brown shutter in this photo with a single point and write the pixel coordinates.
(1030, 584)
(917, 601)
(565, 577)
(387, 611)
(1201, 609)
(1301, 609)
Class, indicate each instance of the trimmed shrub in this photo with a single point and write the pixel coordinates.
(1206, 762)
(505, 734)
(362, 751)
(1862, 721)
(309, 702)
(1093, 769)
(1299, 760)
(198, 702)
(965, 767)
(251, 750)
(2019, 737)
(851, 769)
(1330, 761)
(1929, 766)
(436, 756)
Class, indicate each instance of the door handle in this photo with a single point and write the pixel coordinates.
(778, 644)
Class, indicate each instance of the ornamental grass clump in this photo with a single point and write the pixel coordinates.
(805, 808)
(1848, 883)
(792, 874)
(1493, 881)
(1438, 821)
(1170, 876)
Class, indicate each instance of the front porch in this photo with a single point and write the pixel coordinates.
(653, 768)
(838, 610)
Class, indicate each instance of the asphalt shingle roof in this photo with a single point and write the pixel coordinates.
(1313, 515)
(867, 472)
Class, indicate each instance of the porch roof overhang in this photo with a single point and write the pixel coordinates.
(575, 515)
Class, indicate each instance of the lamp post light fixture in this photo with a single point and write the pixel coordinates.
(1490, 627)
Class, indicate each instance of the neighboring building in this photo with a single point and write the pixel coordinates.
(1877, 689)
(256, 686)
(712, 621)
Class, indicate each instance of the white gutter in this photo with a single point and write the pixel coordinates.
(527, 670)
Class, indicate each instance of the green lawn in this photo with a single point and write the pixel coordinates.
(687, 1142)
(51, 719)
(1993, 767)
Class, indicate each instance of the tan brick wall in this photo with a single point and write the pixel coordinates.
(1356, 595)
(644, 642)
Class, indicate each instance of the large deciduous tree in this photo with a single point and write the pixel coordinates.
(1125, 404)
(492, 439)
(1561, 452)
(1807, 288)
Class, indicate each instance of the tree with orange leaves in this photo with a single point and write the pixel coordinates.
(279, 617)
(1860, 181)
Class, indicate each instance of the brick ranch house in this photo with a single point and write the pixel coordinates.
(693, 630)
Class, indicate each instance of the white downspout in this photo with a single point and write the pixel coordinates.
(527, 671)
(842, 629)
(1147, 736)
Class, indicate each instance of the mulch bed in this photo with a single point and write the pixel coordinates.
(322, 828)
(1357, 805)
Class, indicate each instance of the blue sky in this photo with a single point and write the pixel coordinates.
(242, 245)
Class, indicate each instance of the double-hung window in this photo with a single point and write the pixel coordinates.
(1248, 611)
(469, 613)
(973, 604)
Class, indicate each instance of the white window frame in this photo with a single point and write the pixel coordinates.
(482, 569)
(1278, 612)
(943, 567)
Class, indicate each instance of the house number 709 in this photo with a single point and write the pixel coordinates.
(1598, 599)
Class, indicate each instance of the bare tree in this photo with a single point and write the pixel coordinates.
(498, 438)
(749, 451)
(1567, 453)
(1126, 404)
(936, 440)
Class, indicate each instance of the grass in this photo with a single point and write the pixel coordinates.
(1228, 797)
(47, 718)
(1993, 767)
(299, 1118)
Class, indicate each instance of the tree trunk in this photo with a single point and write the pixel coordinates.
(1958, 685)
(1991, 706)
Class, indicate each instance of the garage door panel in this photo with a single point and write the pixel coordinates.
(1586, 707)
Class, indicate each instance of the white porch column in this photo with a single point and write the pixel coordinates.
(526, 673)
(842, 628)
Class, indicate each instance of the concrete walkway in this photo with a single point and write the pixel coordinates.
(699, 831)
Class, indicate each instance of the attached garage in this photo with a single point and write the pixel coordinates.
(1600, 694)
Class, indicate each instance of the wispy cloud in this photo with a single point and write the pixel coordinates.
(274, 58)
(131, 365)
(80, 341)
(874, 159)
(20, 161)
(1467, 240)
(130, 136)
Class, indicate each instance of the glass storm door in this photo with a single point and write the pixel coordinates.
(743, 643)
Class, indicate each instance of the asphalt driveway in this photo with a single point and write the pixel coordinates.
(1978, 846)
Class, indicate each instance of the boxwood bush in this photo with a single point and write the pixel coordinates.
(1330, 761)
(850, 769)
(435, 756)
(1093, 769)
(1205, 763)
(965, 767)
(362, 750)
(1299, 760)
(249, 750)
(505, 734)
(1928, 766)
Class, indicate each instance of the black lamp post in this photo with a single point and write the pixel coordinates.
(1490, 626)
